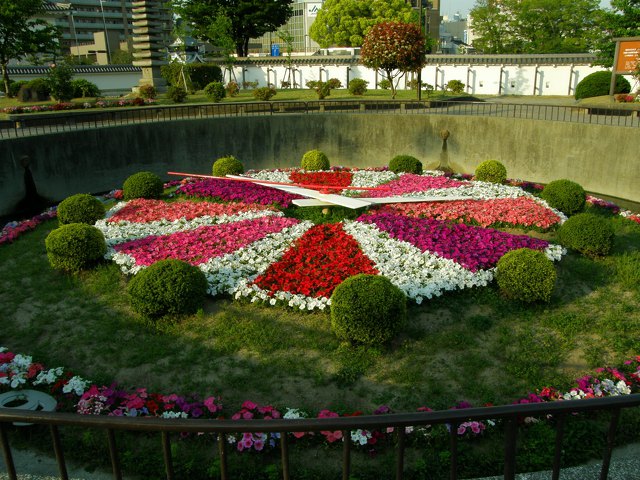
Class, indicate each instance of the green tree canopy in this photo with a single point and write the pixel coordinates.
(622, 20)
(218, 20)
(395, 48)
(534, 26)
(345, 23)
(22, 34)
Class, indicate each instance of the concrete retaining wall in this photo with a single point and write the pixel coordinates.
(601, 158)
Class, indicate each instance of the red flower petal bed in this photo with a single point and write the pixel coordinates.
(474, 248)
(141, 210)
(339, 178)
(409, 183)
(232, 191)
(319, 261)
(520, 211)
(199, 245)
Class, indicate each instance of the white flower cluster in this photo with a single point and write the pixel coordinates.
(48, 377)
(294, 300)
(419, 275)
(293, 413)
(360, 437)
(18, 369)
(368, 178)
(270, 175)
(76, 385)
(609, 387)
(175, 415)
(124, 231)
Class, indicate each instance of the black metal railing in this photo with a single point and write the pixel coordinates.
(19, 125)
(510, 415)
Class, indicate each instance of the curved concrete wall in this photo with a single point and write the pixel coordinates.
(603, 159)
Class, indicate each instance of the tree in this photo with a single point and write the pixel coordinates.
(345, 23)
(622, 20)
(394, 48)
(240, 20)
(21, 34)
(534, 26)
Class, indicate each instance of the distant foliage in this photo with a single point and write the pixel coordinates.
(368, 310)
(358, 86)
(168, 287)
(589, 234)
(232, 89)
(264, 93)
(59, 82)
(74, 247)
(455, 86)
(405, 163)
(148, 91)
(315, 160)
(227, 166)
(334, 83)
(176, 94)
(198, 75)
(80, 208)
(526, 275)
(142, 185)
(598, 84)
(564, 195)
(84, 88)
(384, 84)
(491, 171)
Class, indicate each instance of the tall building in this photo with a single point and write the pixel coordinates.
(84, 17)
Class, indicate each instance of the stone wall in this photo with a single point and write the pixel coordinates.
(603, 159)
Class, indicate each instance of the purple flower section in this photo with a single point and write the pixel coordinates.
(409, 183)
(234, 191)
(474, 248)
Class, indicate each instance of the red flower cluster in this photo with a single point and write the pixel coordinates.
(338, 178)
(319, 261)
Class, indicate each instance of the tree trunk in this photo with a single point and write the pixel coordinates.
(5, 78)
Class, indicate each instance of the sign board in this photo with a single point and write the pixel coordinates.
(628, 51)
(312, 9)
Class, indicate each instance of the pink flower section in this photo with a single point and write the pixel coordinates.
(142, 210)
(520, 211)
(199, 245)
(474, 248)
(409, 183)
(235, 191)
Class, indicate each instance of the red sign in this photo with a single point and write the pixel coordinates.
(628, 53)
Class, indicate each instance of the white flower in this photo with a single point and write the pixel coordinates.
(48, 377)
(76, 385)
(360, 436)
(175, 415)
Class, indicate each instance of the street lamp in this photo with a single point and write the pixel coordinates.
(106, 38)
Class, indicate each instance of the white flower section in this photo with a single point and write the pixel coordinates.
(48, 377)
(76, 385)
(368, 178)
(175, 415)
(360, 437)
(125, 231)
(419, 275)
(270, 175)
(293, 300)
(293, 413)
(555, 252)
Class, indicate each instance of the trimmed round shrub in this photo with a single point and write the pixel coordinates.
(564, 195)
(227, 166)
(176, 94)
(147, 91)
(80, 208)
(84, 88)
(405, 163)
(491, 171)
(142, 185)
(215, 91)
(357, 86)
(264, 93)
(598, 84)
(168, 287)
(74, 247)
(315, 160)
(367, 309)
(589, 234)
(526, 275)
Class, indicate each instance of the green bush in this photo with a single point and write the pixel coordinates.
(59, 82)
(367, 309)
(197, 74)
(74, 247)
(176, 94)
(491, 171)
(315, 160)
(215, 91)
(142, 185)
(227, 166)
(358, 86)
(232, 89)
(455, 86)
(147, 91)
(334, 83)
(80, 208)
(168, 287)
(599, 83)
(84, 88)
(14, 87)
(526, 275)
(385, 84)
(40, 87)
(405, 163)
(592, 235)
(564, 195)
(264, 93)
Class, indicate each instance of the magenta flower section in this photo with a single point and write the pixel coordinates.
(199, 245)
(237, 191)
(474, 248)
(409, 183)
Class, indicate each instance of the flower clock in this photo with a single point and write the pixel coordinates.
(241, 239)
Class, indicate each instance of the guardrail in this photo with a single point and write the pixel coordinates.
(20, 125)
(510, 415)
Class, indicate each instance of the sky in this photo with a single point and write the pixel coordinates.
(450, 7)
